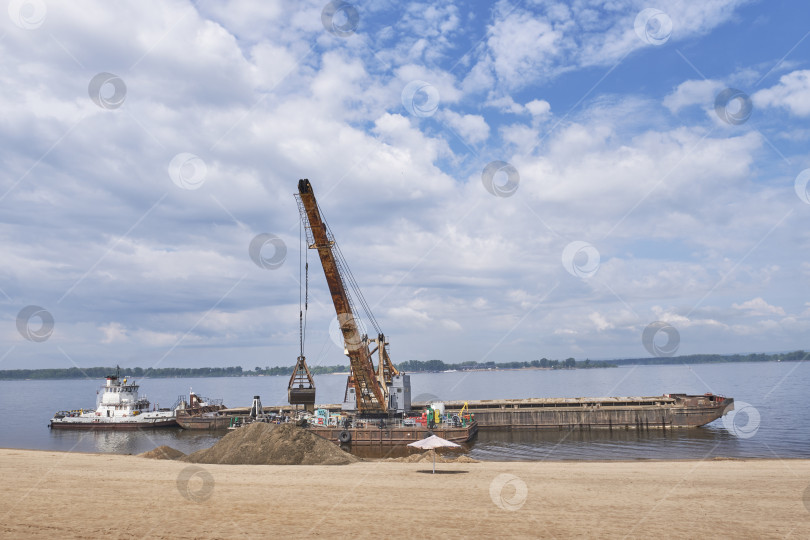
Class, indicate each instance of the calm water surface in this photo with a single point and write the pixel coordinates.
(775, 390)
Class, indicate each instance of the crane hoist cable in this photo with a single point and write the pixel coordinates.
(303, 285)
(301, 388)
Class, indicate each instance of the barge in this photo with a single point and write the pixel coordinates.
(201, 413)
(668, 411)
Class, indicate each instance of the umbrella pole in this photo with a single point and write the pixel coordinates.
(434, 462)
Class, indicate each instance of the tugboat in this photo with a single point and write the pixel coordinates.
(118, 407)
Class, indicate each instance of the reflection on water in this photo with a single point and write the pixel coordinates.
(553, 445)
(132, 442)
(564, 444)
(694, 443)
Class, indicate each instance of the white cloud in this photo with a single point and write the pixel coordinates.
(538, 107)
(470, 127)
(599, 321)
(522, 46)
(452, 325)
(114, 333)
(759, 307)
(792, 93)
(526, 46)
(694, 92)
(505, 104)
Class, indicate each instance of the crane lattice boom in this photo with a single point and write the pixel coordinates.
(370, 391)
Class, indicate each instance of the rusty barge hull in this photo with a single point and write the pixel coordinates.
(394, 436)
(669, 411)
(204, 422)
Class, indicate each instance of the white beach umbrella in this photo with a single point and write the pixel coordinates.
(431, 443)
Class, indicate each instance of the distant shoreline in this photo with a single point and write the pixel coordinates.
(410, 366)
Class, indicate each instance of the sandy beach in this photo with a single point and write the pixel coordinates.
(71, 495)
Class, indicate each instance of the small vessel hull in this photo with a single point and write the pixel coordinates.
(186, 421)
(74, 423)
(394, 436)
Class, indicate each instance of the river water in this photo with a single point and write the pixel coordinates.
(773, 420)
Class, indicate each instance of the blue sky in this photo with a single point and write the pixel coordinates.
(145, 146)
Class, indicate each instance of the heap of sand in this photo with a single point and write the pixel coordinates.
(270, 444)
(162, 452)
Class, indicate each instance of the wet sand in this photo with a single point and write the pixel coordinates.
(71, 495)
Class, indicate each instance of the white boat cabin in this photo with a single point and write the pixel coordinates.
(119, 399)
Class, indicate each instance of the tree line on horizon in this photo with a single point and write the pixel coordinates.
(409, 366)
(794, 356)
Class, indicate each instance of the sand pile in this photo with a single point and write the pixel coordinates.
(162, 452)
(270, 444)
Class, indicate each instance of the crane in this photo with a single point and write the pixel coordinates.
(370, 391)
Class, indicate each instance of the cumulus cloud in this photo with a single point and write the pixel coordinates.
(113, 333)
(791, 93)
(759, 307)
(470, 127)
(538, 107)
(599, 321)
(694, 92)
